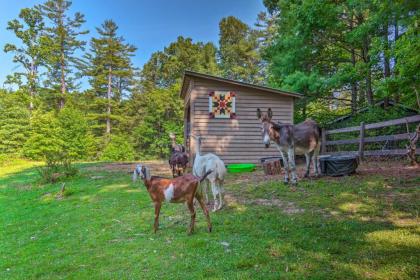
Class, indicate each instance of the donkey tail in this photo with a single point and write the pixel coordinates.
(205, 175)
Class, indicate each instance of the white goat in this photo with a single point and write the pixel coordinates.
(204, 163)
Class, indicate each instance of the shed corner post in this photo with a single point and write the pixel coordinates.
(362, 141)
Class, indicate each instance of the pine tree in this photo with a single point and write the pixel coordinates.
(30, 53)
(111, 71)
(63, 33)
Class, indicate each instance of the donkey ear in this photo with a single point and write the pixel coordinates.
(270, 113)
(258, 113)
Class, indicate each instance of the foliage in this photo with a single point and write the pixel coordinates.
(58, 167)
(238, 53)
(165, 68)
(45, 138)
(31, 53)
(340, 55)
(357, 51)
(63, 32)
(78, 141)
(163, 114)
(111, 73)
(14, 123)
(65, 135)
(118, 149)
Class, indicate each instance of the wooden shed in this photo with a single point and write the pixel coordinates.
(224, 112)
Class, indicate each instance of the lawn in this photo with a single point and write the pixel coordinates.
(357, 227)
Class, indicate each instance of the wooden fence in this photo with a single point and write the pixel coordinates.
(362, 140)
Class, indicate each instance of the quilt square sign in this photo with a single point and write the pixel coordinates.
(222, 105)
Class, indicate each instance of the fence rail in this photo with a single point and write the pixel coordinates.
(410, 119)
(362, 140)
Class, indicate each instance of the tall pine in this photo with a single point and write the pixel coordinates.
(111, 72)
(62, 61)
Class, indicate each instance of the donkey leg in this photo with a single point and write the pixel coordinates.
(315, 160)
(308, 164)
(286, 167)
(291, 156)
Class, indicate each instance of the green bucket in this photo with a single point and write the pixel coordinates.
(240, 167)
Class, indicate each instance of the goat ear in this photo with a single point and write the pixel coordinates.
(258, 113)
(269, 113)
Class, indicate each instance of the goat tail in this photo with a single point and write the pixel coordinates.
(205, 175)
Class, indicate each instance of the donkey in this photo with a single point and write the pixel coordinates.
(303, 138)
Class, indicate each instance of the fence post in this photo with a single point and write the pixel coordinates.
(362, 140)
(323, 141)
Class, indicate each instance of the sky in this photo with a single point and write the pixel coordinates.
(150, 25)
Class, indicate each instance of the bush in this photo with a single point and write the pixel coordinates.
(66, 134)
(45, 139)
(14, 129)
(58, 167)
(78, 141)
(118, 149)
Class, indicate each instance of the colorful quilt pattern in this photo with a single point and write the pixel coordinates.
(222, 105)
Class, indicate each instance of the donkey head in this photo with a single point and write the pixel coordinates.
(266, 126)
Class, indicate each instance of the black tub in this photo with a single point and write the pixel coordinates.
(338, 165)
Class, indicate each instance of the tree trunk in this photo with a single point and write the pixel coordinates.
(353, 82)
(108, 96)
(366, 58)
(32, 87)
(62, 65)
(387, 68)
(353, 85)
(395, 72)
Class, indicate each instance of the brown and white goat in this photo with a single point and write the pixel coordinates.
(177, 190)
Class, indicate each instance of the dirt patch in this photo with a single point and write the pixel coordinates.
(157, 167)
(388, 168)
(286, 207)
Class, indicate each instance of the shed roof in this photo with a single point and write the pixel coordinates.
(188, 75)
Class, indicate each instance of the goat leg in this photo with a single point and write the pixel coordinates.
(205, 210)
(157, 211)
(192, 211)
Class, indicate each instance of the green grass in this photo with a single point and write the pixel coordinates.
(351, 228)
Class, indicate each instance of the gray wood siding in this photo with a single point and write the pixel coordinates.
(237, 140)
